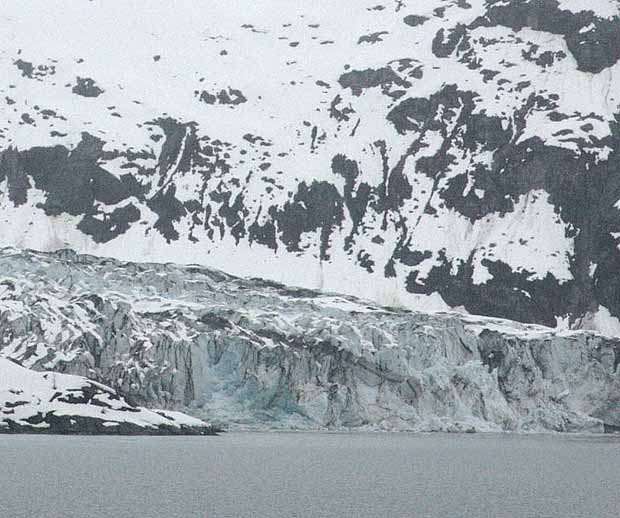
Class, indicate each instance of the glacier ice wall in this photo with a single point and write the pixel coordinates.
(252, 353)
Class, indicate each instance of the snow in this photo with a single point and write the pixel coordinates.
(279, 82)
(599, 8)
(25, 393)
(531, 238)
(602, 321)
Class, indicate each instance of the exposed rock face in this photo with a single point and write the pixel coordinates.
(52, 403)
(255, 353)
(423, 154)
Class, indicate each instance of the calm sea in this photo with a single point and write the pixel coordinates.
(287, 475)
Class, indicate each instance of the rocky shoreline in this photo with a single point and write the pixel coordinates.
(51, 403)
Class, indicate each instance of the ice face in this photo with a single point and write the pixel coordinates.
(253, 353)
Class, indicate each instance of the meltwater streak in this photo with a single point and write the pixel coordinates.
(285, 475)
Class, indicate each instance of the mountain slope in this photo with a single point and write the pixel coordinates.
(430, 154)
(49, 402)
(254, 353)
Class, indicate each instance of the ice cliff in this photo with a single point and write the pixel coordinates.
(252, 353)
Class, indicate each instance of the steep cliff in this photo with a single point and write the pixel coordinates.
(254, 353)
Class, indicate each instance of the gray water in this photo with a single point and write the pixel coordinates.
(286, 475)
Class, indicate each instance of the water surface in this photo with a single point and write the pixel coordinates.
(287, 475)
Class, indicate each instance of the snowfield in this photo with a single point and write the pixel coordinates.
(430, 155)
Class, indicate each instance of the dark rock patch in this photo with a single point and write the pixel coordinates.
(318, 206)
(594, 49)
(108, 226)
(360, 80)
(542, 59)
(34, 72)
(414, 20)
(410, 114)
(506, 293)
(446, 42)
(27, 119)
(375, 37)
(264, 234)
(86, 87)
(356, 197)
(169, 210)
(72, 179)
(340, 114)
(230, 97)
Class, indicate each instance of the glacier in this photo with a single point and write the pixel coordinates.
(416, 204)
(251, 353)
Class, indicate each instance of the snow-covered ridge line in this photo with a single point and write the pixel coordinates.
(253, 353)
(49, 402)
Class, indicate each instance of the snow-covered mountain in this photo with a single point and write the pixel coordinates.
(255, 353)
(430, 154)
(48, 402)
